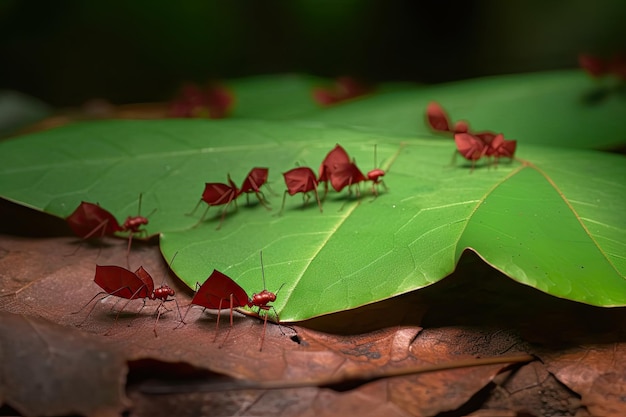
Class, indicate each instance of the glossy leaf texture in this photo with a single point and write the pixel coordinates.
(559, 108)
(552, 220)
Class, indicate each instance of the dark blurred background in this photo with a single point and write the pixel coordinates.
(68, 51)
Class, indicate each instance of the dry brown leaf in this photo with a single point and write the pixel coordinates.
(597, 373)
(478, 314)
(43, 365)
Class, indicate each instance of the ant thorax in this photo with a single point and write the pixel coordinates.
(134, 222)
(163, 292)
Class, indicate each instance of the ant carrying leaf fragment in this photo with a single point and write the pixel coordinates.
(89, 220)
(122, 283)
(220, 291)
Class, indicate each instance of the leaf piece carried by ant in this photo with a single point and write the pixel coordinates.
(256, 178)
(89, 218)
(344, 88)
(220, 291)
(217, 194)
(301, 180)
(122, 283)
(213, 101)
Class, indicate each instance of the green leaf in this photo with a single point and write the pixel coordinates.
(551, 108)
(274, 97)
(552, 220)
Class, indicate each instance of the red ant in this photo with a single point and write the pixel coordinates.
(219, 290)
(343, 172)
(252, 184)
(90, 218)
(344, 88)
(122, 283)
(471, 145)
(301, 180)
(217, 194)
(214, 101)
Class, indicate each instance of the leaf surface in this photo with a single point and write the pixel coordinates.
(553, 223)
(549, 108)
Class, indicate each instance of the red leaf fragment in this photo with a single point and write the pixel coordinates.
(122, 283)
(301, 180)
(220, 291)
(213, 101)
(599, 67)
(437, 117)
(344, 88)
(253, 182)
(89, 218)
(471, 145)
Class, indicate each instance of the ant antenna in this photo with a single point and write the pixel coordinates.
(262, 269)
(375, 164)
(139, 211)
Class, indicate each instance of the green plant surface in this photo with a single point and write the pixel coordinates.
(548, 108)
(270, 96)
(552, 220)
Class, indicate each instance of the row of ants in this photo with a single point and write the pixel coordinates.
(337, 168)
(472, 145)
(90, 220)
(217, 291)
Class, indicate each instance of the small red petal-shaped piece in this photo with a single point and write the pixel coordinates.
(461, 127)
(300, 180)
(146, 278)
(492, 143)
(471, 147)
(217, 193)
(344, 175)
(324, 97)
(120, 282)
(254, 180)
(336, 156)
(594, 66)
(507, 149)
(220, 101)
(437, 117)
(88, 217)
(348, 87)
(485, 137)
(217, 290)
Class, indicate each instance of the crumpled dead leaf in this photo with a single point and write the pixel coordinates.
(474, 314)
(42, 365)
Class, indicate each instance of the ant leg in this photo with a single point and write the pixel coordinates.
(262, 200)
(231, 322)
(194, 209)
(283, 206)
(224, 211)
(130, 242)
(217, 325)
(317, 197)
(104, 293)
(132, 297)
(264, 328)
(201, 218)
(157, 319)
